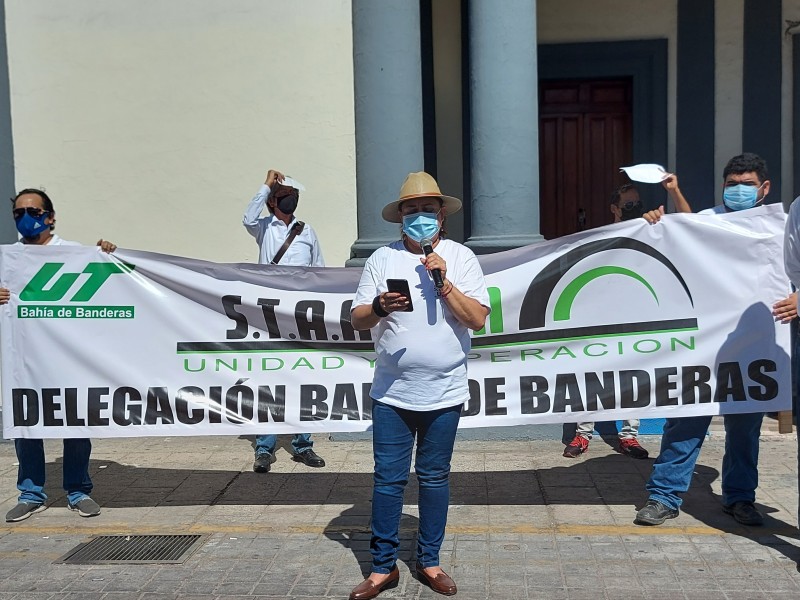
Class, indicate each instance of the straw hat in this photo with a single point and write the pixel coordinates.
(419, 185)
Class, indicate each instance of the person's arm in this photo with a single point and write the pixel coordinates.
(654, 216)
(362, 316)
(253, 211)
(369, 306)
(106, 246)
(791, 244)
(316, 250)
(467, 310)
(367, 316)
(670, 184)
(5, 296)
(785, 310)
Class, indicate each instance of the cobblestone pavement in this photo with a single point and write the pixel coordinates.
(524, 523)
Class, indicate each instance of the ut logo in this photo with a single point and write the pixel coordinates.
(496, 316)
(98, 273)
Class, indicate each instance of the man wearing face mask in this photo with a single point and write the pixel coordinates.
(745, 185)
(282, 240)
(625, 205)
(35, 219)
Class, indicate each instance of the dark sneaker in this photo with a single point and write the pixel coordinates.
(263, 462)
(22, 511)
(745, 513)
(86, 507)
(576, 447)
(655, 513)
(631, 447)
(309, 458)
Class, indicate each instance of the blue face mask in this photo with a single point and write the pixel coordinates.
(421, 225)
(30, 227)
(740, 197)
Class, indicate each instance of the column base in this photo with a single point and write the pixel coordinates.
(489, 244)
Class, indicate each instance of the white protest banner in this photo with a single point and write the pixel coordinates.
(627, 320)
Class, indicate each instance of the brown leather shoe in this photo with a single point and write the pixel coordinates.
(366, 589)
(441, 584)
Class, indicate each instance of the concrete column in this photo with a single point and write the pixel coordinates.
(388, 113)
(504, 125)
(8, 230)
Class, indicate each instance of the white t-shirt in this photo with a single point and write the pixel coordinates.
(719, 209)
(270, 233)
(422, 354)
(54, 241)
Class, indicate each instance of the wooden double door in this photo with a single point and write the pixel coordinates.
(585, 136)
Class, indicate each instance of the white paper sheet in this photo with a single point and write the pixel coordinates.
(646, 173)
(289, 182)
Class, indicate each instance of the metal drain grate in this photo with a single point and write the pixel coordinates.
(134, 549)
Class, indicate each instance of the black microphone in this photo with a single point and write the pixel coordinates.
(427, 248)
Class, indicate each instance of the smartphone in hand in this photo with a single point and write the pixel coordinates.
(401, 287)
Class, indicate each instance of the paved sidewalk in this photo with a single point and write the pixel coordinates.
(524, 523)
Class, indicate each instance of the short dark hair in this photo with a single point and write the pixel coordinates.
(746, 163)
(48, 204)
(617, 193)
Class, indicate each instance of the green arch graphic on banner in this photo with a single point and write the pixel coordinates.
(565, 300)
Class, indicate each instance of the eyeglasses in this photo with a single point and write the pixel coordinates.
(31, 210)
(630, 204)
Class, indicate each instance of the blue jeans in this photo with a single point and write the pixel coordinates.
(680, 447)
(31, 474)
(393, 434)
(265, 444)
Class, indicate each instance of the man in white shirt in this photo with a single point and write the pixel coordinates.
(282, 240)
(791, 260)
(271, 231)
(35, 219)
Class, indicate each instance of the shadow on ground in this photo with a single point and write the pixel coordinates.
(590, 481)
(350, 529)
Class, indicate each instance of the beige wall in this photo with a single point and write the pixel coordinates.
(152, 122)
